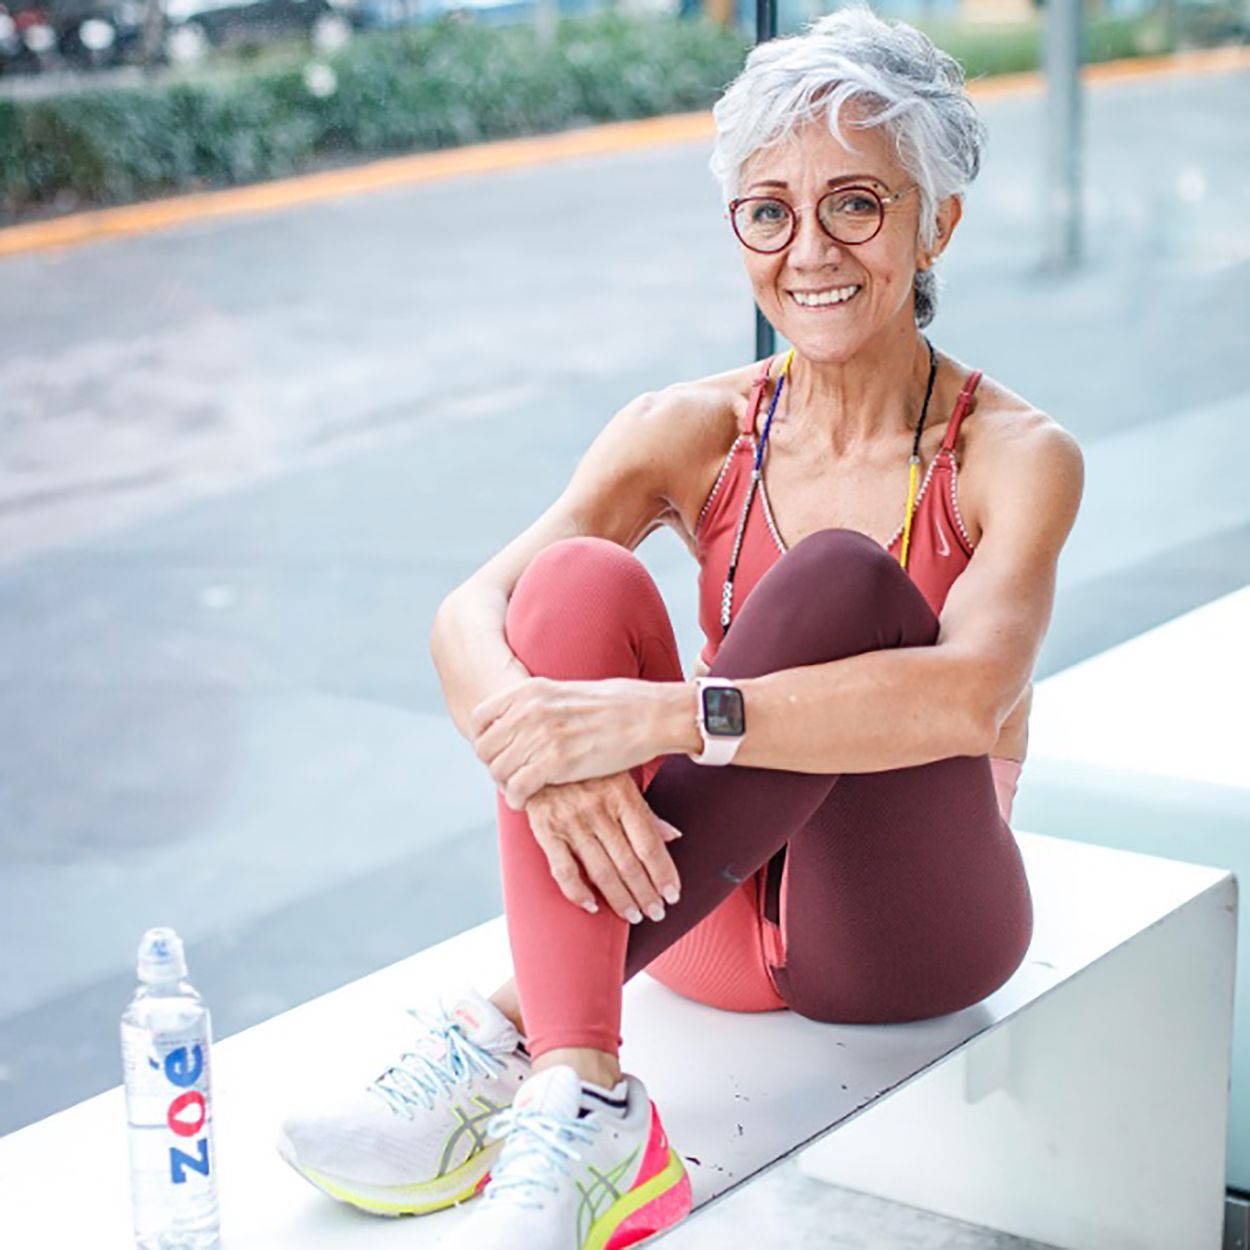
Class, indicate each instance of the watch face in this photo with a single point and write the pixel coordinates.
(723, 711)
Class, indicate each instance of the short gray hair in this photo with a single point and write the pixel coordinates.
(908, 85)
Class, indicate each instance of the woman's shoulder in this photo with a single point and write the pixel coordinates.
(1002, 439)
(1001, 423)
(717, 402)
(696, 422)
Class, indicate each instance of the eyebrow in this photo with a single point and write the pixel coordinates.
(832, 182)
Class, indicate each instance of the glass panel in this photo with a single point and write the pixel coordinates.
(280, 373)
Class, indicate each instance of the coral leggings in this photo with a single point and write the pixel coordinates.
(904, 893)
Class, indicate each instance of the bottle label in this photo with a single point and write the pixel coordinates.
(167, 1086)
(187, 1113)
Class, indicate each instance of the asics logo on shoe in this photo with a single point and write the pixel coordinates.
(600, 1194)
(469, 1122)
(467, 1018)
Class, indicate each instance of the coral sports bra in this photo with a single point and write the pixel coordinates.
(939, 551)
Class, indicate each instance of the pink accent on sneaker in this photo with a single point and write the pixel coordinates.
(663, 1211)
(655, 1158)
(481, 1184)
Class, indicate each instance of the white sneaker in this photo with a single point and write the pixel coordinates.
(414, 1138)
(575, 1172)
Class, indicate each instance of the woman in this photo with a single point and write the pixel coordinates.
(878, 529)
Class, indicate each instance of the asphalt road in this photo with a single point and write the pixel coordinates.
(242, 461)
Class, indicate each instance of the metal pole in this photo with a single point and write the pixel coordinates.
(546, 16)
(1061, 198)
(765, 29)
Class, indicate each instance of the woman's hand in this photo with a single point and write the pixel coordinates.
(544, 732)
(603, 829)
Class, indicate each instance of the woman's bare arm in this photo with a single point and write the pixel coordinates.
(601, 831)
(621, 490)
(912, 705)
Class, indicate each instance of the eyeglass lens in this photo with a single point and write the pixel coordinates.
(852, 215)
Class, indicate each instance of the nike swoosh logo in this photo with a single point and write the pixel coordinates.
(944, 547)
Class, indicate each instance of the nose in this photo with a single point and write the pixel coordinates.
(811, 245)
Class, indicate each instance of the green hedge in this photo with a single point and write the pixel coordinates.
(986, 49)
(436, 86)
(441, 85)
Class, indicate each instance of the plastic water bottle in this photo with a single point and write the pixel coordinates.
(166, 1038)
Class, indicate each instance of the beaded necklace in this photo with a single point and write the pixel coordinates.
(913, 462)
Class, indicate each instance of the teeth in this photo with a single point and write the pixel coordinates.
(838, 296)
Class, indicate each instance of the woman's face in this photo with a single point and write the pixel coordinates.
(881, 271)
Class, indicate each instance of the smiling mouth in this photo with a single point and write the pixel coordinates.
(833, 298)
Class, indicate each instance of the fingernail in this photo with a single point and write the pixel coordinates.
(656, 911)
(672, 893)
(634, 916)
(591, 906)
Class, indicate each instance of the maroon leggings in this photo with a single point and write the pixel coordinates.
(906, 895)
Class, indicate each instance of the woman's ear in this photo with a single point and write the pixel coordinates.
(949, 212)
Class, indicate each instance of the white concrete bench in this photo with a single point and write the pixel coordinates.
(1145, 747)
(1084, 1102)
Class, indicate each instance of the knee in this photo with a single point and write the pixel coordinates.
(584, 583)
(847, 568)
(581, 576)
(839, 587)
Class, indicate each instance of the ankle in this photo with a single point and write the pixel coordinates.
(599, 1067)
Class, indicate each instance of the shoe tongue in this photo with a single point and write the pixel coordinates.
(554, 1091)
(483, 1022)
(479, 1019)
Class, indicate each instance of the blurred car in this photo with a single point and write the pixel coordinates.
(98, 32)
(110, 32)
(195, 27)
(27, 38)
(381, 14)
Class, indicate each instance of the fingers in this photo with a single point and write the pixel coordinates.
(605, 874)
(522, 786)
(516, 778)
(670, 833)
(636, 842)
(647, 836)
(606, 833)
(489, 710)
(492, 740)
(567, 874)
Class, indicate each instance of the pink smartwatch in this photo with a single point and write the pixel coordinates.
(721, 712)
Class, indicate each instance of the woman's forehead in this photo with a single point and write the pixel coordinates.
(812, 153)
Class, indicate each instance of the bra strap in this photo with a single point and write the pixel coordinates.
(961, 407)
(757, 391)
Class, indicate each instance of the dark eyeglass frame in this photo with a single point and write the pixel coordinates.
(883, 202)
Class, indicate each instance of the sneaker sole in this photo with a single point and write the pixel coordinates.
(656, 1204)
(467, 1181)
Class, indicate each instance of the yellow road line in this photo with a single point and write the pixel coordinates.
(77, 228)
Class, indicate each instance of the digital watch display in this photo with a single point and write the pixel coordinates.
(721, 713)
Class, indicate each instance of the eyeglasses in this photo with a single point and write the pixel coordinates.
(766, 223)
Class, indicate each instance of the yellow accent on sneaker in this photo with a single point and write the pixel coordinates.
(464, 1183)
(602, 1229)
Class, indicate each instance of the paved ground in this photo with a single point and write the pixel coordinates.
(240, 464)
